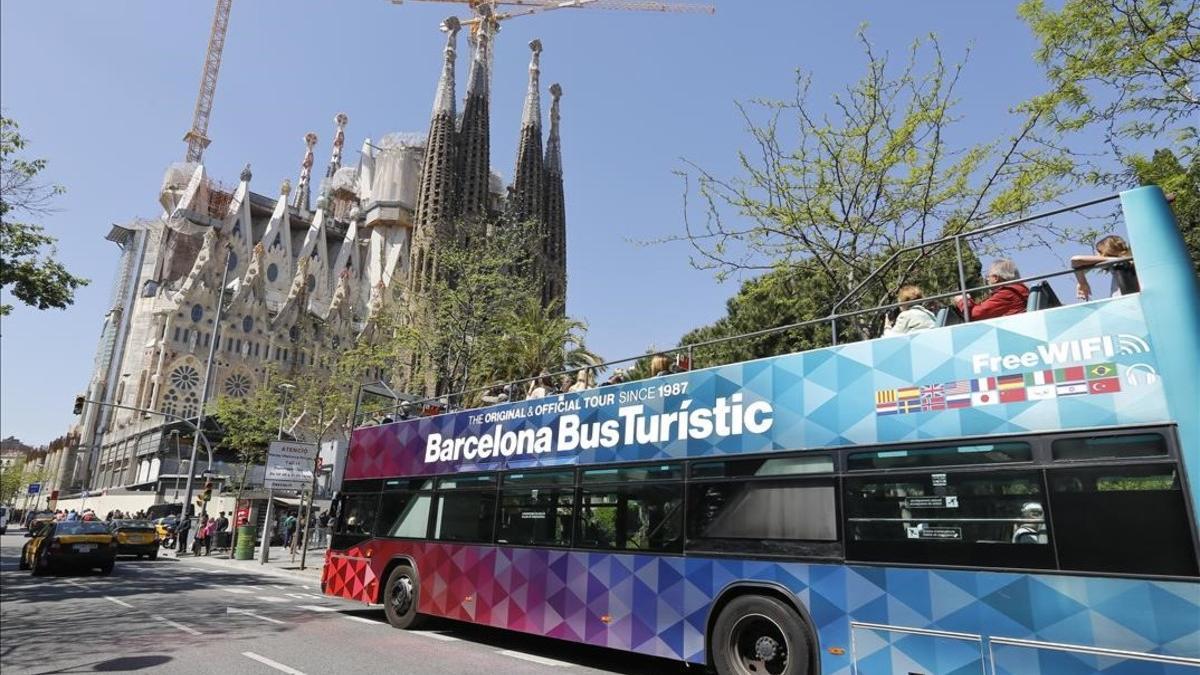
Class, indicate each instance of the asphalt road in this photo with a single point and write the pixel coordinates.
(185, 617)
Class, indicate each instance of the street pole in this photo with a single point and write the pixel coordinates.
(212, 350)
(312, 489)
(266, 533)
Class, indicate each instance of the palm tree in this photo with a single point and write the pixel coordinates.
(539, 339)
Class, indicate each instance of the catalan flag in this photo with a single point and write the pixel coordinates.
(885, 402)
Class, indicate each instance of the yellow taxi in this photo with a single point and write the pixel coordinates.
(135, 537)
(69, 544)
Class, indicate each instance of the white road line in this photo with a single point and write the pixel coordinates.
(271, 598)
(235, 610)
(75, 583)
(186, 629)
(317, 608)
(253, 588)
(363, 620)
(239, 591)
(274, 664)
(119, 602)
(535, 659)
(431, 634)
(282, 588)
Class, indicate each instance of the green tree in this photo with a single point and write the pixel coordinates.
(248, 425)
(1182, 183)
(536, 338)
(1128, 67)
(830, 192)
(28, 268)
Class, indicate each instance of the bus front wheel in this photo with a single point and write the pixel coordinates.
(760, 635)
(400, 597)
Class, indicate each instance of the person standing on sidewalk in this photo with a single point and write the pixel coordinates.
(322, 527)
(181, 534)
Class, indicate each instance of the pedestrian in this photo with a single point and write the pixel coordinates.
(322, 526)
(198, 539)
(289, 529)
(210, 533)
(181, 534)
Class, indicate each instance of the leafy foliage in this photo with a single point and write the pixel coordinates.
(838, 189)
(1128, 66)
(27, 270)
(1183, 184)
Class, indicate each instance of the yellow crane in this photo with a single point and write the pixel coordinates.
(496, 11)
(197, 136)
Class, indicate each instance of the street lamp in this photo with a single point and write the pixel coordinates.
(178, 462)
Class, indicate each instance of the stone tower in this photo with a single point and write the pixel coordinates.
(474, 140)
(528, 198)
(436, 205)
(554, 256)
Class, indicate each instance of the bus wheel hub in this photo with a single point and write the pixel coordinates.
(766, 648)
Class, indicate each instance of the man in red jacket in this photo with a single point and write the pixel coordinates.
(1004, 301)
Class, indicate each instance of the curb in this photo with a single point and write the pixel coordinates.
(253, 566)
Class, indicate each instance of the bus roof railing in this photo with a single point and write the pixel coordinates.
(406, 406)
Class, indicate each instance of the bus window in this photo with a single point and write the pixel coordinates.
(1110, 447)
(1122, 519)
(634, 473)
(466, 508)
(536, 516)
(555, 477)
(404, 514)
(357, 521)
(950, 455)
(990, 519)
(645, 517)
(765, 516)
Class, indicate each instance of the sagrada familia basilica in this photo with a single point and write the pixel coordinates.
(306, 268)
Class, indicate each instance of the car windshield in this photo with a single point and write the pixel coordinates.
(82, 527)
(133, 525)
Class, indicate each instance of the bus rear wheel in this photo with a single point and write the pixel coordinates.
(760, 635)
(400, 597)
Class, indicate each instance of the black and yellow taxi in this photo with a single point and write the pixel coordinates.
(79, 544)
(135, 537)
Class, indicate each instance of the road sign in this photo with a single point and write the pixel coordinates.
(35, 488)
(290, 465)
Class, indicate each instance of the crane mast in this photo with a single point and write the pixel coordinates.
(494, 11)
(197, 138)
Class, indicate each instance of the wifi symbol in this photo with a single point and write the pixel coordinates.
(1132, 344)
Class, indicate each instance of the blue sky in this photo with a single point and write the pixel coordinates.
(105, 93)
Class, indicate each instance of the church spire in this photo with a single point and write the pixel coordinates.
(435, 207)
(475, 135)
(528, 181)
(301, 198)
(555, 287)
(339, 139)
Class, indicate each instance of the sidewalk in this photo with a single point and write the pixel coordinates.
(280, 563)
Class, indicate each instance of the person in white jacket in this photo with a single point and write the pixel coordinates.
(913, 315)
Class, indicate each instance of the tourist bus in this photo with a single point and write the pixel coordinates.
(1007, 496)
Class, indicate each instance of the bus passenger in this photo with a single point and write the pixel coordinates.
(1030, 532)
(583, 380)
(541, 387)
(1124, 277)
(1008, 299)
(913, 315)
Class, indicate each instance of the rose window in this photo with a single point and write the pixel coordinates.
(185, 378)
(237, 385)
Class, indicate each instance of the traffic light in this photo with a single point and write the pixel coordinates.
(79, 400)
(207, 494)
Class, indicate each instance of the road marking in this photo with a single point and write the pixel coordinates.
(363, 620)
(75, 583)
(186, 629)
(431, 634)
(305, 596)
(271, 598)
(282, 588)
(239, 591)
(234, 610)
(253, 588)
(317, 608)
(274, 664)
(119, 602)
(535, 659)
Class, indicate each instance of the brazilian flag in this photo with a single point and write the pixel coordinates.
(1100, 370)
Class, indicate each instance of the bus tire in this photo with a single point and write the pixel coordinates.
(759, 634)
(400, 597)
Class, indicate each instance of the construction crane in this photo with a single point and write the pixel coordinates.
(197, 138)
(495, 11)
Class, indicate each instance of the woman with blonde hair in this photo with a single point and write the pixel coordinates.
(1109, 249)
(913, 315)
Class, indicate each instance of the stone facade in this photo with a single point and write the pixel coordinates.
(297, 279)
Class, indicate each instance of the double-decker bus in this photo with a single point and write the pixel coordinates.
(1007, 496)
